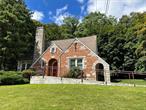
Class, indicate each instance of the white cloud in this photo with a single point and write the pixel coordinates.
(61, 10)
(142, 9)
(50, 12)
(82, 8)
(80, 19)
(59, 19)
(117, 8)
(37, 15)
(95, 5)
(60, 15)
(81, 1)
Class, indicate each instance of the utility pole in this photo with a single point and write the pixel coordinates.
(96, 6)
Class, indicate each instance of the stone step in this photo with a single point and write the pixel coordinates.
(59, 80)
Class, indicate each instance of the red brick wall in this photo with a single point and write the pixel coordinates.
(80, 51)
(48, 56)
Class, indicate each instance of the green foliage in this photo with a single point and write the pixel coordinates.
(69, 27)
(52, 32)
(74, 73)
(17, 32)
(141, 64)
(28, 73)
(11, 78)
(96, 24)
(121, 43)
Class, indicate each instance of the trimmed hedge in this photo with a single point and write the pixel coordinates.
(15, 77)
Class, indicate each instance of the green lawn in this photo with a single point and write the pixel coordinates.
(135, 81)
(72, 97)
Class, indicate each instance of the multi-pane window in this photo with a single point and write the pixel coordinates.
(77, 62)
(72, 63)
(80, 63)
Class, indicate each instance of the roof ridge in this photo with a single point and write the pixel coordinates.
(62, 39)
(74, 38)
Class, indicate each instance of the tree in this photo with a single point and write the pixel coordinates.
(94, 23)
(52, 32)
(69, 27)
(132, 29)
(17, 33)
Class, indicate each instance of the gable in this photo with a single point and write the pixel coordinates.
(78, 48)
(90, 42)
(49, 54)
(83, 51)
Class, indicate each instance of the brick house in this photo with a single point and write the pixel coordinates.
(62, 55)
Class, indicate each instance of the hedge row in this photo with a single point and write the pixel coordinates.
(15, 77)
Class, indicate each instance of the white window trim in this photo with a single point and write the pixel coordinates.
(76, 62)
(51, 50)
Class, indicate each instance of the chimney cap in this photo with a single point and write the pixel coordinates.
(40, 27)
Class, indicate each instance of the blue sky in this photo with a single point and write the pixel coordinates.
(48, 11)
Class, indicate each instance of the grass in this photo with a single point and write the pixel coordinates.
(135, 81)
(72, 97)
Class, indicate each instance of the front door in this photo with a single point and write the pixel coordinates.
(53, 67)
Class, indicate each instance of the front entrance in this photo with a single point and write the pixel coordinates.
(99, 72)
(53, 67)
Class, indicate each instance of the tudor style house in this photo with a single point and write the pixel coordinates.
(60, 56)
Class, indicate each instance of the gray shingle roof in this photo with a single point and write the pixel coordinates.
(90, 42)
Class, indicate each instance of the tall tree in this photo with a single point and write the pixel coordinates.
(17, 31)
(52, 32)
(69, 27)
(94, 23)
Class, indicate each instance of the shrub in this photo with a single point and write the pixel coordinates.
(12, 77)
(74, 73)
(28, 73)
(1, 72)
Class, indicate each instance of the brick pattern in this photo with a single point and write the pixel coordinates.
(76, 50)
(48, 56)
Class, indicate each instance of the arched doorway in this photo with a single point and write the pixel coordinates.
(99, 72)
(53, 67)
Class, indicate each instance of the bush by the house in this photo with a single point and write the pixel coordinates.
(74, 73)
(28, 73)
(12, 78)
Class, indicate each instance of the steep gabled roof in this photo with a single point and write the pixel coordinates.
(63, 44)
(90, 42)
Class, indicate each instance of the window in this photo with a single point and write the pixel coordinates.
(80, 63)
(77, 62)
(72, 63)
(23, 66)
(52, 50)
(28, 66)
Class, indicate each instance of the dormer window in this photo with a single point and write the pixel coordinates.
(52, 50)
